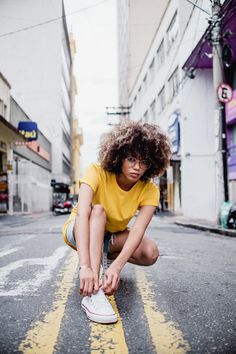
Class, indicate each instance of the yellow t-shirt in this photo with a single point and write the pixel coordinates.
(120, 206)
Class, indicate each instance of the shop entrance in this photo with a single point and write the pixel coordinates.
(3, 183)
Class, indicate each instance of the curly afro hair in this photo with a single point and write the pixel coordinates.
(140, 140)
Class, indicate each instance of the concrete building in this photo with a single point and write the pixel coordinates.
(8, 135)
(77, 133)
(174, 88)
(37, 61)
(31, 173)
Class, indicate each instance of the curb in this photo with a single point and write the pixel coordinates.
(217, 230)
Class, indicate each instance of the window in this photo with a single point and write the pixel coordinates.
(160, 55)
(161, 99)
(152, 70)
(5, 111)
(153, 110)
(145, 116)
(172, 32)
(134, 103)
(2, 108)
(173, 84)
(145, 82)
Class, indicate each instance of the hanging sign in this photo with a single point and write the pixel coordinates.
(174, 132)
(225, 93)
(29, 130)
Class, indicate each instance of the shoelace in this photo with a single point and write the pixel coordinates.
(99, 301)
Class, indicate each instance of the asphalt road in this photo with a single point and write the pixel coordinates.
(185, 303)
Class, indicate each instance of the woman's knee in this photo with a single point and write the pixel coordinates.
(98, 212)
(151, 252)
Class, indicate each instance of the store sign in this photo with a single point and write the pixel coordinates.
(225, 93)
(174, 132)
(230, 108)
(29, 130)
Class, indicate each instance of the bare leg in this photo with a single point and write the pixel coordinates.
(146, 254)
(97, 224)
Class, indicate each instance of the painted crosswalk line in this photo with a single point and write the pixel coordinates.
(22, 287)
(42, 337)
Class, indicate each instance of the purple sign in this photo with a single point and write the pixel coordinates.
(230, 109)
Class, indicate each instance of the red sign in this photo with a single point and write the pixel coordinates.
(225, 93)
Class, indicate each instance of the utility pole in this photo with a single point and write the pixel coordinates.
(219, 108)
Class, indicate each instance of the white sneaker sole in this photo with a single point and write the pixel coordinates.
(99, 318)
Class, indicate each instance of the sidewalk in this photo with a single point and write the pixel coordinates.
(199, 224)
(4, 216)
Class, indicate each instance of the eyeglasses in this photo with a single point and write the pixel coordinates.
(132, 161)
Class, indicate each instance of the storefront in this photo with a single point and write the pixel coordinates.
(174, 171)
(231, 143)
(8, 135)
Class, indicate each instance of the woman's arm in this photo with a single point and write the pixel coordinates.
(81, 232)
(133, 241)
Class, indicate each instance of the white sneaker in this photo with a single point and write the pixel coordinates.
(98, 308)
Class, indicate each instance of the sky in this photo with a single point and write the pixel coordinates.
(95, 33)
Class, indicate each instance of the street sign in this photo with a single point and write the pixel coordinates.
(29, 130)
(225, 93)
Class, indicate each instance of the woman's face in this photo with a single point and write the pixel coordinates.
(134, 168)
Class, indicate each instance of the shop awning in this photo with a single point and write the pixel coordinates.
(9, 133)
(201, 56)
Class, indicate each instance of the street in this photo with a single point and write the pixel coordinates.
(185, 303)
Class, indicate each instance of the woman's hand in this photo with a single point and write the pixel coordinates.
(88, 282)
(111, 280)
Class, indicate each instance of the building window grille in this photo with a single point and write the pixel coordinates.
(172, 32)
(152, 70)
(153, 110)
(161, 99)
(66, 139)
(160, 55)
(173, 84)
(145, 117)
(145, 83)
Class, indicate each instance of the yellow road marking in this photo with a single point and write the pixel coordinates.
(41, 339)
(108, 339)
(166, 338)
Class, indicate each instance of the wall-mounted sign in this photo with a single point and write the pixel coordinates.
(225, 93)
(174, 132)
(29, 130)
(230, 109)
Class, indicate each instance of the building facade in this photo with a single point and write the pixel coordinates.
(36, 59)
(180, 98)
(8, 135)
(77, 132)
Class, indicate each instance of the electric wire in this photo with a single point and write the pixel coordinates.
(51, 20)
(200, 8)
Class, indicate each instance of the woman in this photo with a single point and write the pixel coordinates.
(110, 194)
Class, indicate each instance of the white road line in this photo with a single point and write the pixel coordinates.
(8, 251)
(18, 241)
(21, 287)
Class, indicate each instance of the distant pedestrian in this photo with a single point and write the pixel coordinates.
(110, 194)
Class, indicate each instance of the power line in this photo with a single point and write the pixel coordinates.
(51, 20)
(200, 8)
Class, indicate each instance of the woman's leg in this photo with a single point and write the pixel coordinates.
(97, 223)
(146, 254)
